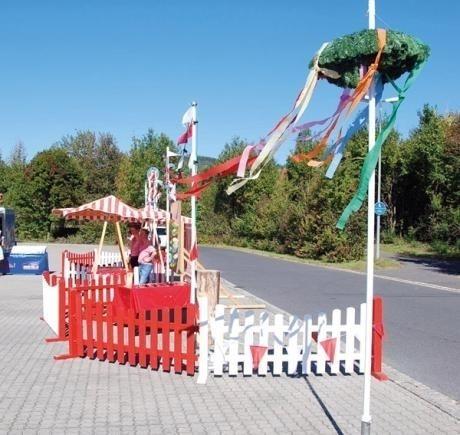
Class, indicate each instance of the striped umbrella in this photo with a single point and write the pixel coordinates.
(110, 209)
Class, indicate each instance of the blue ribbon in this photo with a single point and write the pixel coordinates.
(355, 126)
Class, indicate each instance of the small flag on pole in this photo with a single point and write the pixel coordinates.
(187, 119)
(185, 136)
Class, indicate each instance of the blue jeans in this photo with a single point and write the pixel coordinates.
(144, 273)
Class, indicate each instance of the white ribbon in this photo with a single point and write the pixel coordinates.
(282, 131)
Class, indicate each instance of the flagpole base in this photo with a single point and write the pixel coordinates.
(365, 427)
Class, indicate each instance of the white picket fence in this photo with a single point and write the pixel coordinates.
(76, 271)
(108, 258)
(289, 340)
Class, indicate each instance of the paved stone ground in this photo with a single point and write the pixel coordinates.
(40, 395)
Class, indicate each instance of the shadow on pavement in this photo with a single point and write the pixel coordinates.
(450, 267)
(324, 407)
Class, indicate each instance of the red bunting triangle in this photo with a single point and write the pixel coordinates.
(194, 252)
(257, 353)
(314, 335)
(329, 347)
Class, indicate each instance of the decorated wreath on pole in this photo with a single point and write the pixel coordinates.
(346, 56)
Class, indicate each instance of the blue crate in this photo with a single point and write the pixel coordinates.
(34, 262)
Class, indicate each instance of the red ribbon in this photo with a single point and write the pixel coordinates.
(201, 181)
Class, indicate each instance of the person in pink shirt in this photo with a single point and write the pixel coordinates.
(144, 248)
(139, 242)
(133, 237)
(146, 258)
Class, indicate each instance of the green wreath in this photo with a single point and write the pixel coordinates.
(345, 55)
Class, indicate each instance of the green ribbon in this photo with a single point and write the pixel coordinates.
(372, 157)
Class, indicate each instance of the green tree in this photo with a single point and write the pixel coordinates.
(99, 158)
(315, 204)
(245, 216)
(146, 151)
(428, 173)
(391, 167)
(3, 176)
(51, 180)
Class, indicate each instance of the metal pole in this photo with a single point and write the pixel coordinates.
(379, 191)
(193, 156)
(167, 214)
(366, 417)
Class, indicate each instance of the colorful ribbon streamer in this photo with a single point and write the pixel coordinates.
(372, 157)
(355, 126)
(280, 132)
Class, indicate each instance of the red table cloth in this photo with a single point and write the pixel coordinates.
(151, 296)
(107, 269)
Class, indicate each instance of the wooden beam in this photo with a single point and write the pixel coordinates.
(121, 246)
(209, 286)
(99, 248)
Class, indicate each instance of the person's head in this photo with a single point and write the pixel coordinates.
(134, 229)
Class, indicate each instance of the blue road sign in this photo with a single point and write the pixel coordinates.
(380, 208)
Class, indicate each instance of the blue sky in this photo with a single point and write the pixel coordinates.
(125, 66)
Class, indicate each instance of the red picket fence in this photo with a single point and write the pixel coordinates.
(63, 287)
(82, 259)
(165, 336)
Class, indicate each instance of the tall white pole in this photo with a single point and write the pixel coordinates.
(366, 417)
(379, 199)
(193, 156)
(167, 178)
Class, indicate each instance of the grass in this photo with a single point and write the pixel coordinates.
(420, 250)
(359, 265)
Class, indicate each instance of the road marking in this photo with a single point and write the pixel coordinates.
(421, 284)
(391, 278)
(388, 278)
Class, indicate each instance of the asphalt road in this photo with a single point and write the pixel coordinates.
(422, 324)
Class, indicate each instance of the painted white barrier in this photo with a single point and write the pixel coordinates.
(108, 258)
(51, 304)
(55, 295)
(289, 341)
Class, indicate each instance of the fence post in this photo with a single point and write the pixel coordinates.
(73, 327)
(209, 285)
(377, 339)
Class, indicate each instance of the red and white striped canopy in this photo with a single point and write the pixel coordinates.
(111, 209)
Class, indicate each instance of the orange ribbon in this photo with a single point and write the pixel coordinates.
(360, 91)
